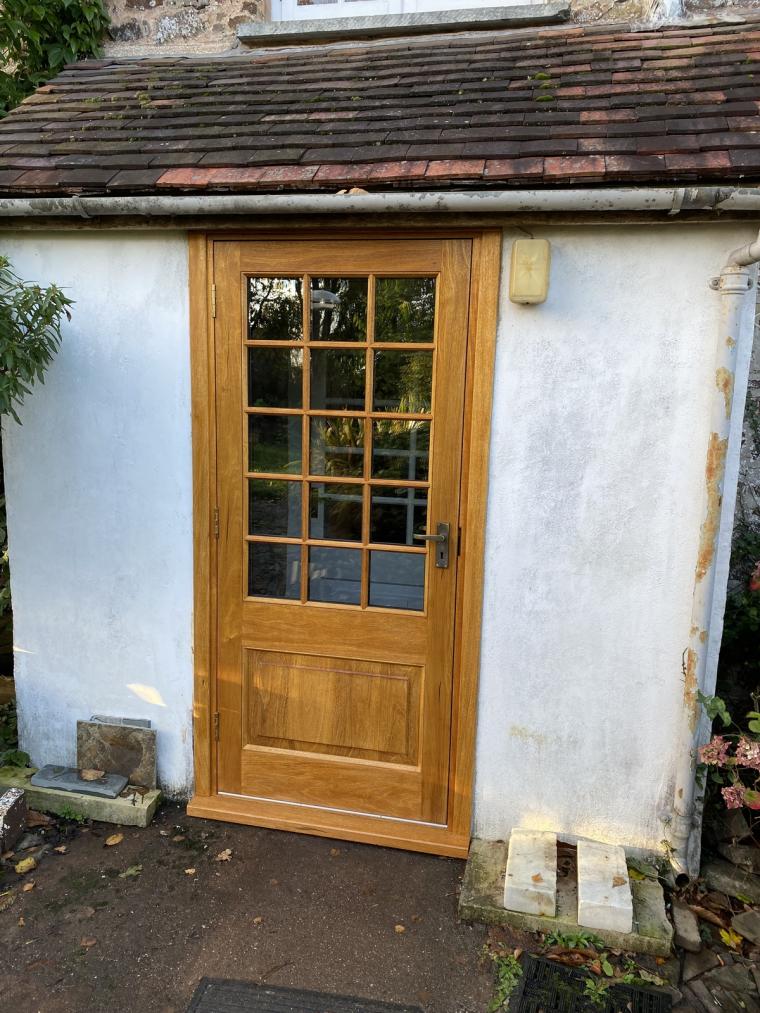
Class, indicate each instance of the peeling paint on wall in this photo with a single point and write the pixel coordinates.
(724, 381)
(714, 469)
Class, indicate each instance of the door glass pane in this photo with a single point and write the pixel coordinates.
(274, 377)
(275, 309)
(403, 381)
(337, 379)
(335, 512)
(274, 443)
(404, 309)
(274, 570)
(397, 580)
(335, 575)
(338, 309)
(397, 514)
(400, 449)
(337, 447)
(274, 508)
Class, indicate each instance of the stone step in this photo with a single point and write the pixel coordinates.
(604, 889)
(530, 883)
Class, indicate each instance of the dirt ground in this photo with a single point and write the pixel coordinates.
(127, 928)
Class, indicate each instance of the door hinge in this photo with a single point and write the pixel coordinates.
(216, 726)
(216, 522)
(213, 301)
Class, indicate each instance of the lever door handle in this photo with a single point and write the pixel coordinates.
(441, 541)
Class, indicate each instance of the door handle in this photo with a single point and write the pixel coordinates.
(441, 541)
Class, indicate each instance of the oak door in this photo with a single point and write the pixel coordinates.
(340, 371)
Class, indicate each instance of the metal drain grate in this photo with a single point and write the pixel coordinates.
(216, 996)
(548, 987)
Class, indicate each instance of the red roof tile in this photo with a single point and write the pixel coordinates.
(588, 105)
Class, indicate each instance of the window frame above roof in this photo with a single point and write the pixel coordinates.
(290, 10)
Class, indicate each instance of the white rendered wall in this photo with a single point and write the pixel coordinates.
(99, 499)
(600, 427)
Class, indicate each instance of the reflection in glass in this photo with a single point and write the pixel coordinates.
(335, 575)
(274, 508)
(397, 580)
(403, 381)
(400, 449)
(274, 570)
(337, 379)
(404, 309)
(337, 447)
(335, 512)
(274, 377)
(274, 443)
(397, 514)
(275, 309)
(338, 309)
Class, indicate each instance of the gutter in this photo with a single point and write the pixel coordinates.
(734, 284)
(669, 199)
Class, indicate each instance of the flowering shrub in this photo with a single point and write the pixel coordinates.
(733, 759)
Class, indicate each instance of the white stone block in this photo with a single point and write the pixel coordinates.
(530, 885)
(604, 890)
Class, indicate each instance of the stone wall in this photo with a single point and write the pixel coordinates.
(166, 27)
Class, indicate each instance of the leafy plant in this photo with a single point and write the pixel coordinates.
(67, 812)
(732, 759)
(39, 37)
(595, 991)
(507, 973)
(10, 754)
(580, 940)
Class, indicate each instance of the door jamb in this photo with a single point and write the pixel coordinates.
(481, 344)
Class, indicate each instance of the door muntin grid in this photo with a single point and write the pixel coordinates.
(338, 418)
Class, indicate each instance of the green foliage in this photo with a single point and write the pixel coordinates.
(38, 37)
(10, 754)
(30, 334)
(595, 991)
(507, 973)
(71, 814)
(714, 707)
(580, 940)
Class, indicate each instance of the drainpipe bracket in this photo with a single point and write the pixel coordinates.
(732, 280)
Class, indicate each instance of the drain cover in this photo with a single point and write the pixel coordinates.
(548, 987)
(215, 996)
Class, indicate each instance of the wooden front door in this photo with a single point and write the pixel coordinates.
(340, 403)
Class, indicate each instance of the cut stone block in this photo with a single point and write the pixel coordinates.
(698, 963)
(131, 809)
(747, 924)
(12, 817)
(68, 779)
(727, 878)
(482, 900)
(530, 883)
(604, 889)
(118, 745)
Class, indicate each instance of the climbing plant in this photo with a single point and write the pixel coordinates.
(37, 39)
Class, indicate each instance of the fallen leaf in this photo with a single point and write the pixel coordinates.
(635, 874)
(224, 856)
(707, 916)
(25, 865)
(90, 774)
(334, 851)
(35, 819)
(163, 833)
(399, 929)
(274, 882)
(731, 938)
(189, 872)
(538, 878)
(619, 881)
(133, 870)
(28, 886)
(416, 918)
(6, 899)
(21, 922)
(61, 849)
(87, 942)
(178, 838)
(114, 839)
(258, 920)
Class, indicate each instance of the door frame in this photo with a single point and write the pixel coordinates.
(454, 838)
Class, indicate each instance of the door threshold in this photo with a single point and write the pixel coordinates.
(425, 837)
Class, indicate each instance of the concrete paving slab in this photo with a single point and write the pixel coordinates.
(604, 890)
(530, 884)
(68, 779)
(481, 900)
(135, 810)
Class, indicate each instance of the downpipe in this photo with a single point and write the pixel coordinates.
(732, 285)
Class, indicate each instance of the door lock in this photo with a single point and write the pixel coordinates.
(441, 541)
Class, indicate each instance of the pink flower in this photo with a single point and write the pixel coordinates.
(716, 751)
(748, 753)
(754, 578)
(733, 796)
